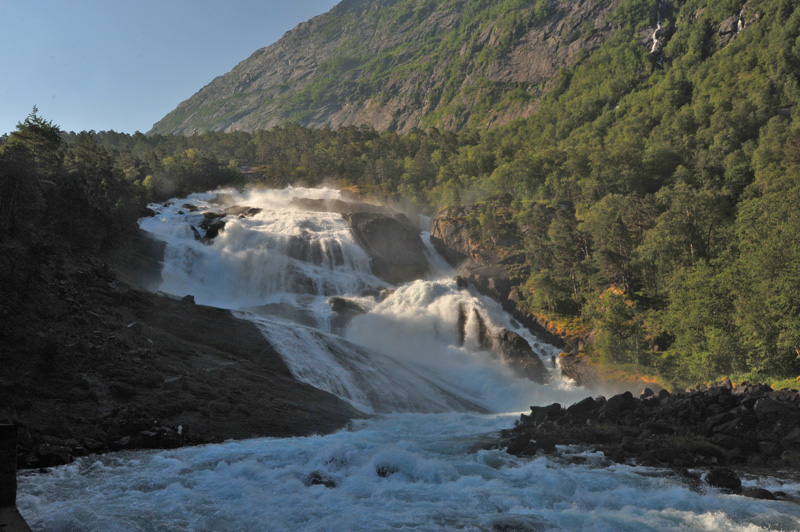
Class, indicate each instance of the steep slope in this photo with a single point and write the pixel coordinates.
(400, 65)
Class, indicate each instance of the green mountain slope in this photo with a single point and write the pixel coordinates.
(402, 64)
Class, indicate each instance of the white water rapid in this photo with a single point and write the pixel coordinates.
(420, 462)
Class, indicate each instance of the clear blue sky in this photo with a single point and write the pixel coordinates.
(124, 64)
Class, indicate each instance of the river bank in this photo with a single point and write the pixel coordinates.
(718, 429)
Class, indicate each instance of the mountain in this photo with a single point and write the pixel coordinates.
(402, 64)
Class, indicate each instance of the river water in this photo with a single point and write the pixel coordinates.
(422, 461)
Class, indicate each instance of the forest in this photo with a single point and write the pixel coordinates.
(654, 196)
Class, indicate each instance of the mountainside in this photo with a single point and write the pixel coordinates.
(402, 64)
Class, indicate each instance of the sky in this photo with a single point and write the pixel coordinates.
(124, 64)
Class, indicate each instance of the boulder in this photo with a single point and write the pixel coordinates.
(344, 310)
(583, 410)
(619, 404)
(543, 414)
(759, 493)
(213, 223)
(722, 477)
(519, 355)
(524, 445)
(393, 244)
(318, 478)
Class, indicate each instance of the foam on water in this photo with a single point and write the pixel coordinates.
(419, 324)
(437, 477)
(257, 258)
(410, 471)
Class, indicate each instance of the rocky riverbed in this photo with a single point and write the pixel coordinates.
(716, 429)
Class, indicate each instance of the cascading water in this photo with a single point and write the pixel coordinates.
(414, 357)
(277, 265)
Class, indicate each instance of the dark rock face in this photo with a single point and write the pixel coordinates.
(722, 477)
(451, 239)
(508, 345)
(212, 224)
(715, 426)
(393, 244)
(519, 355)
(576, 368)
(127, 369)
(344, 311)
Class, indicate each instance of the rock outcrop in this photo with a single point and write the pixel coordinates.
(508, 345)
(721, 425)
(105, 366)
(359, 64)
(393, 244)
(396, 252)
(344, 310)
(519, 355)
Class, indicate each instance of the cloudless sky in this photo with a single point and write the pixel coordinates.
(124, 64)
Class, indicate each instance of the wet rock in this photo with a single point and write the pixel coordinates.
(212, 224)
(318, 478)
(647, 392)
(524, 445)
(242, 211)
(759, 493)
(344, 311)
(520, 356)
(393, 245)
(384, 470)
(722, 477)
(583, 410)
(619, 404)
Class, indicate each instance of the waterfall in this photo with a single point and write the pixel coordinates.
(654, 37)
(280, 266)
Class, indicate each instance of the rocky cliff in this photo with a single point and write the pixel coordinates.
(401, 64)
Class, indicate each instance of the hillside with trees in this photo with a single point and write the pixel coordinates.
(400, 65)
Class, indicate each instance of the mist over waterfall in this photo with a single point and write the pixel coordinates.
(409, 348)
